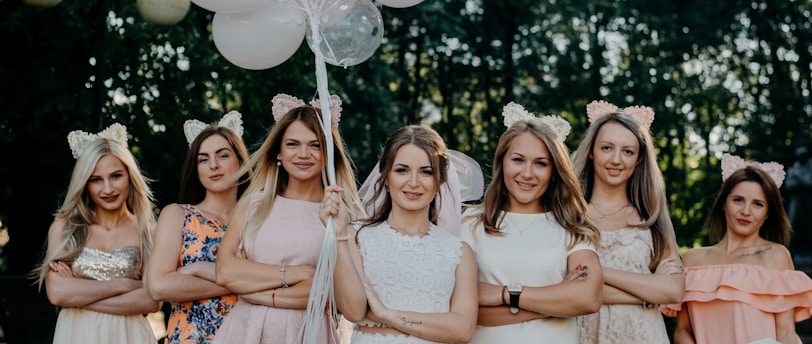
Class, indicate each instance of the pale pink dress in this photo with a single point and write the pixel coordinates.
(292, 234)
(737, 303)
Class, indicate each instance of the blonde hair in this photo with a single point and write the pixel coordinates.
(563, 196)
(645, 188)
(78, 210)
(270, 180)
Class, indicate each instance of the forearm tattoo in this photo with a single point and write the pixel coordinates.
(410, 323)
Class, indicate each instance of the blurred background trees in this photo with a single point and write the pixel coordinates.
(722, 76)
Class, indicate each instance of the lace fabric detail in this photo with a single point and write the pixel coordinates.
(410, 273)
(627, 249)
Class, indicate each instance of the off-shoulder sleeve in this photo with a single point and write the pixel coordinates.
(770, 290)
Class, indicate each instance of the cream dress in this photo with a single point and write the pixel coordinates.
(79, 325)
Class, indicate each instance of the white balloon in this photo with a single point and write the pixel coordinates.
(400, 3)
(261, 38)
(349, 30)
(231, 5)
(163, 12)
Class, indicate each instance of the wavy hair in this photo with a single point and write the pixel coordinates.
(426, 139)
(776, 226)
(79, 211)
(645, 189)
(563, 196)
(270, 180)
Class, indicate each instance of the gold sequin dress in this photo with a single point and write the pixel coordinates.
(79, 325)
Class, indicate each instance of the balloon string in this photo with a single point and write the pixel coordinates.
(321, 291)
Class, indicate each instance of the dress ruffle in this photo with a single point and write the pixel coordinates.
(769, 290)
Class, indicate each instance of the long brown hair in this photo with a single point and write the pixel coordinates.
(191, 190)
(776, 226)
(645, 188)
(563, 196)
(424, 138)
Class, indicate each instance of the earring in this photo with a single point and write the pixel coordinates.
(278, 161)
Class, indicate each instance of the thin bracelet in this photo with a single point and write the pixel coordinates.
(503, 295)
(343, 237)
(282, 277)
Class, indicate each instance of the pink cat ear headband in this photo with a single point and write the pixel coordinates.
(231, 120)
(732, 163)
(282, 103)
(599, 108)
(513, 112)
(79, 140)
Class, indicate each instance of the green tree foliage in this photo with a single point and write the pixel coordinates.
(722, 76)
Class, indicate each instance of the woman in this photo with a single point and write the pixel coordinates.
(97, 243)
(188, 235)
(400, 277)
(744, 288)
(617, 168)
(269, 253)
(534, 245)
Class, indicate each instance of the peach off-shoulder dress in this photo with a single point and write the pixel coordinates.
(738, 303)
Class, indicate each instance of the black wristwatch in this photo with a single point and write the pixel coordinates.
(515, 291)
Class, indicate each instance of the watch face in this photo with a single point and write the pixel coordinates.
(513, 286)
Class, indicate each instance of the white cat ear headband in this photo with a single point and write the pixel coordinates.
(282, 103)
(514, 112)
(79, 140)
(732, 163)
(599, 108)
(231, 120)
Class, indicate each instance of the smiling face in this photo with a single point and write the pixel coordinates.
(745, 209)
(411, 180)
(300, 153)
(615, 154)
(216, 162)
(109, 185)
(527, 168)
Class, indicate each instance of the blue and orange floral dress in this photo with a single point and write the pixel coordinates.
(197, 321)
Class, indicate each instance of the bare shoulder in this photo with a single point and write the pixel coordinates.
(171, 210)
(697, 256)
(778, 257)
(57, 226)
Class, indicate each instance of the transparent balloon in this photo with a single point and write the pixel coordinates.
(400, 3)
(349, 32)
(260, 38)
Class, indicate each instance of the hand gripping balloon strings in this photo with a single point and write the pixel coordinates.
(321, 291)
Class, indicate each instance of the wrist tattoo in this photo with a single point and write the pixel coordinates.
(756, 252)
(410, 323)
